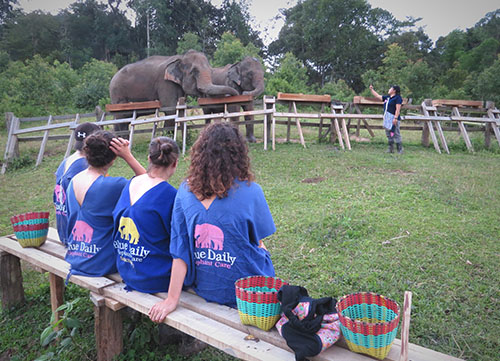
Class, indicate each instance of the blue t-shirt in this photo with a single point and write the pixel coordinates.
(221, 244)
(142, 238)
(90, 228)
(60, 194)
(391, 102)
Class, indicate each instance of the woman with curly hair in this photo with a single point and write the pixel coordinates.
(219, 220)
(92, 196)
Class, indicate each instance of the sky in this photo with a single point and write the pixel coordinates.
(439, 17)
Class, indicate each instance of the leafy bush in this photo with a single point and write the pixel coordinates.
(93, 85)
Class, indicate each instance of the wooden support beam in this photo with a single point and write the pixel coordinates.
(44, 144)
(132, 130)
(405, 327)
(11, 280)
(133, 106)
(463, 130)
(494, 115)
(71, 139)
(289, 123)
(108, 329)
(56, 295)
(299, 128)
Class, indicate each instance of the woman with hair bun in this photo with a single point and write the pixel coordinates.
(142, 222)
(219, 220)
(91, 197)
(68, 168)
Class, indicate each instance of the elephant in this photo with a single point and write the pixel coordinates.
(128, 230)
(246, 77)
(82, 232)
(205, 234)
(165, 78)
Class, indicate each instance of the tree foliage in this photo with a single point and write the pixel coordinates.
(289, 77)
(230, 50)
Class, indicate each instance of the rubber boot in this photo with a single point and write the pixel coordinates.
(400, 148)
(391, 147)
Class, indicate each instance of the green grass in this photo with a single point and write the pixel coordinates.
(346, 221)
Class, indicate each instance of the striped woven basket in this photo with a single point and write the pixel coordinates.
(31, 228)
(369, 322)
(256, 297)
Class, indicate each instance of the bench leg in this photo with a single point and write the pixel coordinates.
(56, 294)
(108, 333)
(11, 280)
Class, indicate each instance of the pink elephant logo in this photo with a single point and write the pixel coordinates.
(82, 232)
(60, 194)
(205, 234)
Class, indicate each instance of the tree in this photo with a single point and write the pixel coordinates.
(189, 41)
(485, 86)
(289, 77)
(414, 78)
(93, 84)
(29, 34)
(339, 90)
(336, 39)
(230, 50)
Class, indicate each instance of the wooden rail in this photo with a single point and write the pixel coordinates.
(431, 117)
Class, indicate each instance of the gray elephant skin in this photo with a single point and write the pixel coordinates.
(165, 78)
(247, 78)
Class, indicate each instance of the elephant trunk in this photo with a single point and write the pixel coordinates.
(258, 89)
(205, 86)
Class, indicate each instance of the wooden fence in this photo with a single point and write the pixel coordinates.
(434, 118)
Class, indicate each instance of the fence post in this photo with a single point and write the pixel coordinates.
(488, 128)
(12, 147)
(425, 128)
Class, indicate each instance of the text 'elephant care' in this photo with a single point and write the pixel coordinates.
(208, 236)
(128, 230)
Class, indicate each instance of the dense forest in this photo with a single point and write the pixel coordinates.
(63, 63)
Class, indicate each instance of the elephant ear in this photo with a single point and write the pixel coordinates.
(173, 72)
(234, 74)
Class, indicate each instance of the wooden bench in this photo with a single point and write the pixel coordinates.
(217, 325)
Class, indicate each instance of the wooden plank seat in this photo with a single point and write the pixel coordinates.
(214, 324)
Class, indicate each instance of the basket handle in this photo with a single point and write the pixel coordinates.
(405, 327)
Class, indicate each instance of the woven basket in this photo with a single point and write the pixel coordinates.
(256, 297)
(31, 228)
(369, 322)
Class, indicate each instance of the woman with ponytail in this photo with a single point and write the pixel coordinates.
(142, 222)
(91, 198)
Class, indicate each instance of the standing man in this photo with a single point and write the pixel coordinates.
(392, 105)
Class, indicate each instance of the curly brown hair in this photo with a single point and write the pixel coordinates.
(218, 157)
(96, 148)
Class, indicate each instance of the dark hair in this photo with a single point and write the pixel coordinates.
(163, 151)
(397, 89)
(218, 157)
(82, 131)
(97, 150)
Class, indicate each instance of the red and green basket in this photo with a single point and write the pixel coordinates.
(257, 300)
(369, 322)
(31, 228)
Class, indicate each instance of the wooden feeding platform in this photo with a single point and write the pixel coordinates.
(236, 99)
(153, 104)
(457, 103)
(371, 101)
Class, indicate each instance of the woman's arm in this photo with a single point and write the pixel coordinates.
(120, 147)
(375, 94)
(396, 114)
(159, 311)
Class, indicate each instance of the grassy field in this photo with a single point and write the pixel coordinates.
(351, 221)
